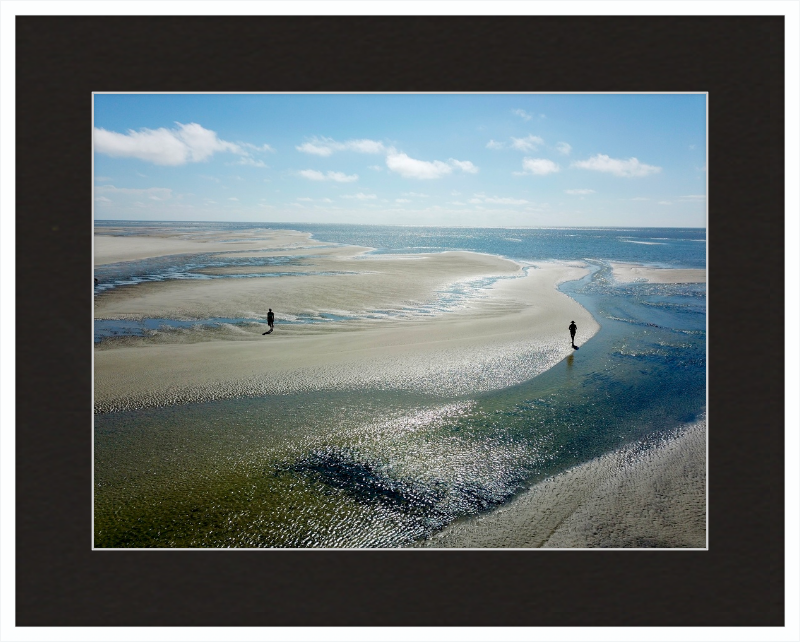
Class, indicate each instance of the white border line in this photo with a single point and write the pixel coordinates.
(398, 93)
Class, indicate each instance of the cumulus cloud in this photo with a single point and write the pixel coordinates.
(464, 166)
(694, 197)
(339, 177)
(493, 144)
(527, 144)
(409, 167)
(579, 191)
(538, 166)
(190, 143)
(413, 168)
(522, 114)
(563, 148)
(624, 168)
(322, 146)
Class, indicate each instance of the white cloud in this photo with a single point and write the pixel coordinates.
(412, 168)
(304, 198)
(313, 148)
(360, 196)
(639, 198)
(493, 144)
(694, 197)
(464, 166)
(665, 202)
(579, 191)
(339, 177)
(538, 166)
(416, 194)
(326, 146)
(522, 114)
(527, 144)
(187, 143)
(401, 200)
(247, 160)
(625, 168)
(563, 148)
(233, 198)
(102, 199)
(377, 168)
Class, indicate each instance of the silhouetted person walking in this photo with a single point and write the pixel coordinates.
(572, 330)
(270, 321)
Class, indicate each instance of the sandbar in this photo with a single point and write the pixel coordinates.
(645, 495)
(630, 272)
(513, 330)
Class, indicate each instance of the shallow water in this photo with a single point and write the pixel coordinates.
(378, 468)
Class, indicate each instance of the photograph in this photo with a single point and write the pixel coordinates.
(399, 320)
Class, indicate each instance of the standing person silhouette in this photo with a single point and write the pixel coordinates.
(572, 330)
(270, 321)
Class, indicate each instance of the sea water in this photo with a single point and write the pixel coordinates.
(387, 468)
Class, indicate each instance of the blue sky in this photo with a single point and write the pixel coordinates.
(418, 159)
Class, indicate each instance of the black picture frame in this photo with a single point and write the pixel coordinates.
(60, 61)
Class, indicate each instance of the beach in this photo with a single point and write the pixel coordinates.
(419, 389)
(646, 495)
(519, 322)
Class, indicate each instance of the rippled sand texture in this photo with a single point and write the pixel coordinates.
(645, 495)
(499, 336)
(629, 272)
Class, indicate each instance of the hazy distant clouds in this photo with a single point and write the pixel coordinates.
(339, 177)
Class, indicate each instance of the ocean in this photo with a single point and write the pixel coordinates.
(386, 468)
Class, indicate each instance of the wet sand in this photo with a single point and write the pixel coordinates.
(629, 272)
(645, 496)
(156, 241)
(511, 332)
